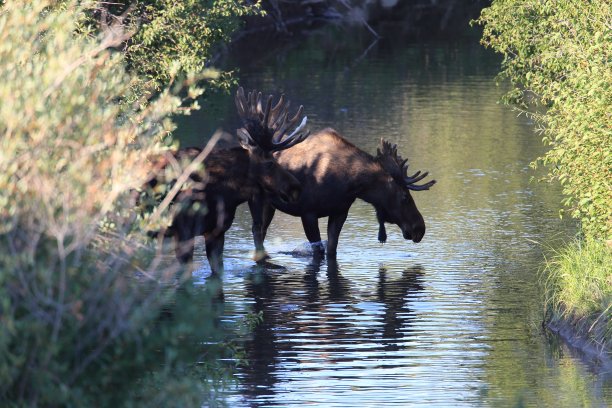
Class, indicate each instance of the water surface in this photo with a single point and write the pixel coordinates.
(452, 321)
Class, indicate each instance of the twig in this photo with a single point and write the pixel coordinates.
(363, 55)
(346, 4)
(185, 175)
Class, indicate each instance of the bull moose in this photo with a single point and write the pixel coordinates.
(333, 173)
(207, 204)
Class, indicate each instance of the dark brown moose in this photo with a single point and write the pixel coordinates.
(333, 174)
(207, 204)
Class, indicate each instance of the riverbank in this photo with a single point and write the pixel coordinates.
(578, 285)
(562, 82)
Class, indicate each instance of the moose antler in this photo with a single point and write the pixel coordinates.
(267, 127)
(397, 167)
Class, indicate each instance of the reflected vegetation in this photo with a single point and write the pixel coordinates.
(452, 321)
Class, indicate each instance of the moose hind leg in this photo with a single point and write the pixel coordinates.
(334, 226)
(214, 252)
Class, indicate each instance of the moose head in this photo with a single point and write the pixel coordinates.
(401, 209)
(264, 132)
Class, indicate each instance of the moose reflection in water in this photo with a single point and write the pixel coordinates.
(310, 320)
(334, 173)
(207, 204)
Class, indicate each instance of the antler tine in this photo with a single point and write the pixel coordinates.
(394, 152)
(288, 124)
(422, 187)
(277, 108)
(294, 138)
(277, 120)
(413, 179)
(266, 113)
(398, 167)
(299, 128)
(266, 126)
(252, 104)
(276, 114)
(404, 166)
(245, 137)
(257, 106)
(414, 175)
(297, 115)
(241, 103)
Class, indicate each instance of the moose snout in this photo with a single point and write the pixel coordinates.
(418, 232)
(414, 232)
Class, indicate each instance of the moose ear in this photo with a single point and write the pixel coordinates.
(245, 139)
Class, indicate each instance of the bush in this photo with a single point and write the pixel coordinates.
(557, 55)
(81, 295)
(171, 37)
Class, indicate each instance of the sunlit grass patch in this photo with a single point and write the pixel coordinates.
(578, 284)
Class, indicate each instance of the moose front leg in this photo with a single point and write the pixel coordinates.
(334, 226)
(310, 222)
(262, 214)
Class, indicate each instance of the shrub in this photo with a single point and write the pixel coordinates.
(80, 294)
(171, 37)
(557, 55)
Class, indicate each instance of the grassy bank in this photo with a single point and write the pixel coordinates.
(578, 284)
(556, 55)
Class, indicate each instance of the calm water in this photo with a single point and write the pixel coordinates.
(452, 321)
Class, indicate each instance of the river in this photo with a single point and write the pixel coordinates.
(452, 321)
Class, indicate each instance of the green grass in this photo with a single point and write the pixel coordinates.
(578, 289)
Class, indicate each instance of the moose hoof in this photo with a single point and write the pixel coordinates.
(318, 249)
(261, 256)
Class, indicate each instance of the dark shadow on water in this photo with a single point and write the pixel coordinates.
(319, 307)
(261, 350)
(338, 285)
(395, 295)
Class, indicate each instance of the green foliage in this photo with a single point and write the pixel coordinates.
(579, 288)
(183, 35)
(557, 54)
(171, 38)
(80, 294)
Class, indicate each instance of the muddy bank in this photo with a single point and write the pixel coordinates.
(586, 337)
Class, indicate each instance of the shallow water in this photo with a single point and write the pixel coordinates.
(452, 321)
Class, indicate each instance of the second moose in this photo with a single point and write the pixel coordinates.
(207, 204)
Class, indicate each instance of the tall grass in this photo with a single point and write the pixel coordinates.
(579, 288)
